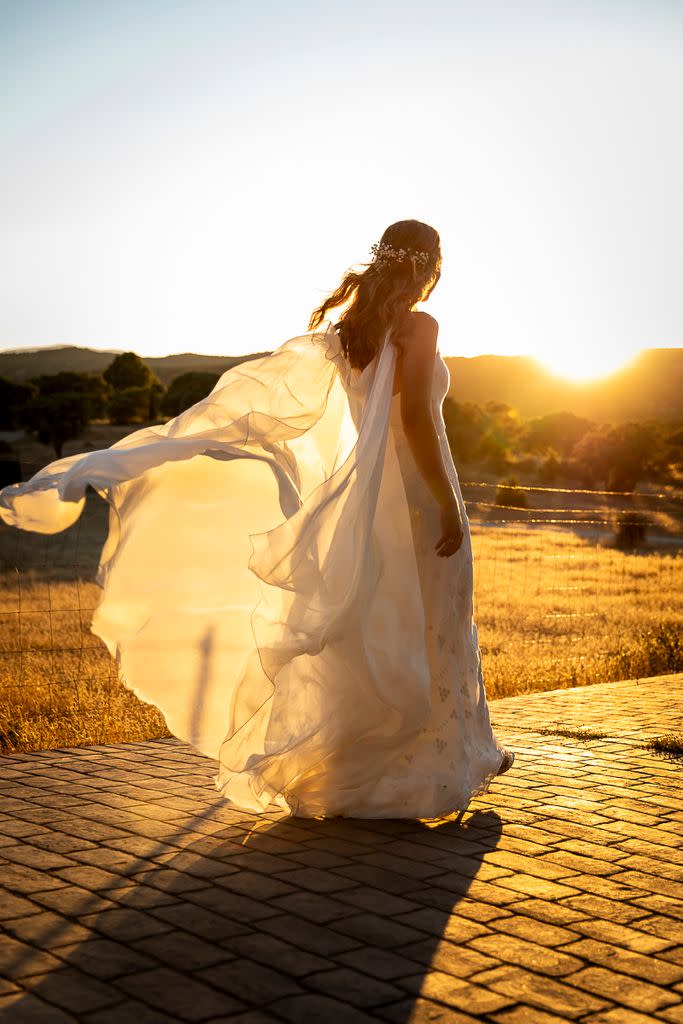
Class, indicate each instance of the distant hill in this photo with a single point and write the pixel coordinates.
(650, 388)
(21, 364)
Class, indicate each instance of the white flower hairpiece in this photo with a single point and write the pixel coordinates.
(383, 253)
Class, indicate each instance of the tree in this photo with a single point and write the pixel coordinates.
(58, 418)
(130, 405)
(591, 458)
(10, 465)
(13, 401)
(617, 457)
(128, 373)
(156, 394)
(559, 431)
(492, 450)
(62, 406)
(632, 447)
(92, 386)
(666, 455)
(465, 426)
(186, 390)
(549, 470)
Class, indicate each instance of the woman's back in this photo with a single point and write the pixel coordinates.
(404, 333)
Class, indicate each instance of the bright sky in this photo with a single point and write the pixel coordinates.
(197, 175)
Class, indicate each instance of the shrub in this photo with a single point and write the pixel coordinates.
(187, 390)
(510, 494)
(654, 651)
(631, 529)
(130, 405)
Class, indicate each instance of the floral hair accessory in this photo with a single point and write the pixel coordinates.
(384, 253)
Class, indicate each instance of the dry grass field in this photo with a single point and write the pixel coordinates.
(553, 606)
(554, 609)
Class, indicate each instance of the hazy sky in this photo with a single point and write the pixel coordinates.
(197, 175)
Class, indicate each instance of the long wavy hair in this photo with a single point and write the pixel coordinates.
(381, 295)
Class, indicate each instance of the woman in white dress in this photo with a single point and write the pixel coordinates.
(288, 570)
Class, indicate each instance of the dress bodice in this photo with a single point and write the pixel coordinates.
(417, 490)
(440, 385)
(356, 383)
(441, 381)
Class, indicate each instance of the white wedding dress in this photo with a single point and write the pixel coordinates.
(270, 583)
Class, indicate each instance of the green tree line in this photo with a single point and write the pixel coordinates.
(59, 407)
(557, 449)
(562, 449)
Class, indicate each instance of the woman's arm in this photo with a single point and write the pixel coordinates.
(417, 371)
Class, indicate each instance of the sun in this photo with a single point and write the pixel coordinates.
(585, 364)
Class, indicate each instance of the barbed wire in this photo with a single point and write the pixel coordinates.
(675, 495)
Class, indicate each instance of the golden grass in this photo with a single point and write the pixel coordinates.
(577, 733)
(553, 609)
(58, 685)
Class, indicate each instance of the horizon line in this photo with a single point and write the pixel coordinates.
(29, 349)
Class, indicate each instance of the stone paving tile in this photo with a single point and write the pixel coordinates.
(46, 927)
(290, 960)
(315, 906)
(639, 995)
(662, 926)
(650, 968)
(124, 924)
(178, 993)
(456, 992)
(26, 1008)
(72, 991)
(537, 990)
(251, 982)
(633, 709)
(662, 904)
(421, 1011)
(130, 1010)
(309, 1009)
(355, 987)
(623, 936)
(19, 959)
(131, 891)
(527, 1015)
(461, 961)
(197, 921)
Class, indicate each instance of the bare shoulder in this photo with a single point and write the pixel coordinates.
(418, 331)
(423, 320)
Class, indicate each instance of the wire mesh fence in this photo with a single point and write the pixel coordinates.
(587, 584)
(562, 597)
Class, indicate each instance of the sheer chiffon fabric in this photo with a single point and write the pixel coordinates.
(270, 583)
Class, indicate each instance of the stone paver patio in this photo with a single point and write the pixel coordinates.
(131, 893)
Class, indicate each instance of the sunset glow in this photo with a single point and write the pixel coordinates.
(585, 366)
(199, 178)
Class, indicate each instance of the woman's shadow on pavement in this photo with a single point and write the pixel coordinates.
(338, 919)
(186, 909)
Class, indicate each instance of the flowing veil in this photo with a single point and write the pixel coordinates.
(249, 575)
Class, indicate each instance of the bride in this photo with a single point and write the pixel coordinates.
(288, 569)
